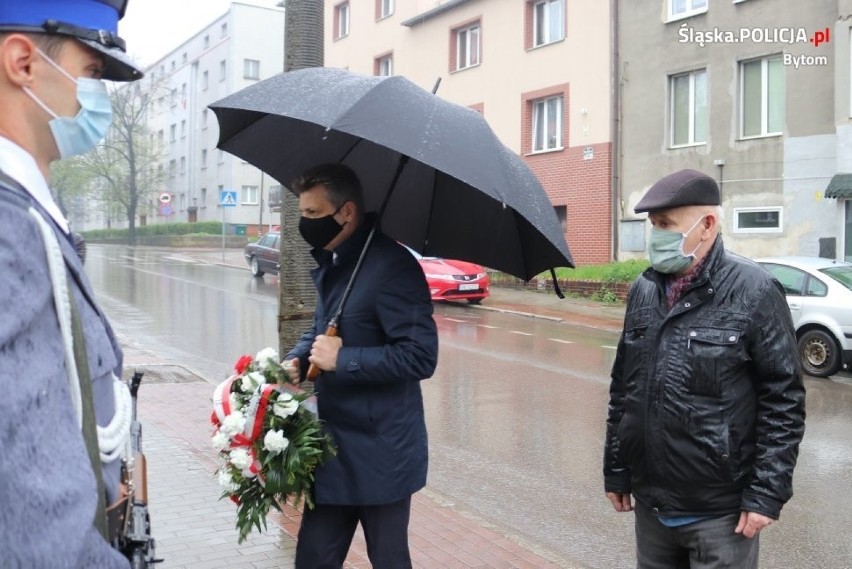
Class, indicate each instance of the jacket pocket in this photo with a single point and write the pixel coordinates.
(712, 354)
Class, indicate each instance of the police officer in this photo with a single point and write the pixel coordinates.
(55, 472)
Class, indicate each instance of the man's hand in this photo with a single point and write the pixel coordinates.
(292, 369)
(751, 523)
(324, 352)
(620, 501)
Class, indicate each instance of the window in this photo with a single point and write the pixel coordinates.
(204, 118)
(758, 220)
(161, 137)
(223, 68)
(203, 198)
(688, 92)
(548, 22)
(183, 201)
(250, 195)
(183, 164)
(547, 124)
(183, 129)
(467, 47)
(173, 98)
(275, 198)
(384, 8)
(341, 20)
(205, 80)
(383, 65)
(204, 158)
(221, 157)
(172, 168)
(183, 58)
(224, 30)
(251, 69)
(206, 41)
(684, 8)
(173, 133)
(761, 97)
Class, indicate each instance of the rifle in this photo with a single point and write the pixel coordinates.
(134, 539)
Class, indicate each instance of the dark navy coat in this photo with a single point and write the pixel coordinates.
(372, 404)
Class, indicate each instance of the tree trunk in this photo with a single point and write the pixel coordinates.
(303, 33)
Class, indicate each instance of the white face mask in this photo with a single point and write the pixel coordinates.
(79, 134)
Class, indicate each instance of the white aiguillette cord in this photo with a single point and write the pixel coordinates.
(114, 439)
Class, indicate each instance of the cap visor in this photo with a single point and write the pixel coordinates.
(117, 65)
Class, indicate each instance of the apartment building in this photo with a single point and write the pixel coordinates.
(753, 92)
(239, 48)
(538, 70)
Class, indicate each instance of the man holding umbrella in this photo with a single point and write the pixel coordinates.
(368, 388)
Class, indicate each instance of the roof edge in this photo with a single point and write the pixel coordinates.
(429, 14)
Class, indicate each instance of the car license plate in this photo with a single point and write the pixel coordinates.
(468, 286)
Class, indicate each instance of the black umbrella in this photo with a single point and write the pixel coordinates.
(460, 192)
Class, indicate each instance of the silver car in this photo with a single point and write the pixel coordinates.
(819, 293)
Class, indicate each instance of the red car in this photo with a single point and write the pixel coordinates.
(450, 279)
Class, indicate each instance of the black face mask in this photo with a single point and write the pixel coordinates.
(319, 231)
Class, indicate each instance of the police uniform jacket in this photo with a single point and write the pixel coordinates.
(47, 488)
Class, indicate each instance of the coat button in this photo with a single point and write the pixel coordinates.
(693, 333)
(657, 510)
(732, 339)
(687, 304)
(725, 457)
(710, 290)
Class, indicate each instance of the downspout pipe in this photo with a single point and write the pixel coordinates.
(615, 135)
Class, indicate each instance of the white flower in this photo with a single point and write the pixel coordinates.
(275, 442)
(285, 405)
(226, 481)
(221, 441)
(235, 402)
(263, 356)
(233, 424)
(240, 458)
(251, 381)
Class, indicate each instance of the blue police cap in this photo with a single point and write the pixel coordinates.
(93, 22)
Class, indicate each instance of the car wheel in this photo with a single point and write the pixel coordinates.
(819, 353)
(474, 300)
(255, 268)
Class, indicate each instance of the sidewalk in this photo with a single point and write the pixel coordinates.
(194, 529)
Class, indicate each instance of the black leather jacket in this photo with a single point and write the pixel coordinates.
(707, 404)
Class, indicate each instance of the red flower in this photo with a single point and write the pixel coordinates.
(235, 500)
(214, 419)
(242, 364)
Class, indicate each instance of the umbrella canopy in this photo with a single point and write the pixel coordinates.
(462, 193)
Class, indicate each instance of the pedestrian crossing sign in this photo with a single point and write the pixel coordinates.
(228, 198)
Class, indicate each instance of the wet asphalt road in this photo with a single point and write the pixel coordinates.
(515, 411)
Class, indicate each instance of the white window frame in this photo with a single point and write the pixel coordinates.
(385, 64)
(249, 195)
(688, 11)
(547, 39)
(691, 140)
(540, 116)
(251, 69)
(386, 8)
(463, 39)
(767, 209)
(342, 11)
(764, 97)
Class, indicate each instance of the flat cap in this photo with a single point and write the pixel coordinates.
(682, 188)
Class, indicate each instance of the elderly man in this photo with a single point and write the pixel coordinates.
(57, 469)
(706, 407)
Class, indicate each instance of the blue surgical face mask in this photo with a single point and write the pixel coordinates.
(79, 134)
(665, 250)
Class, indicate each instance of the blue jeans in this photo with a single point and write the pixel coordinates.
(707, 544)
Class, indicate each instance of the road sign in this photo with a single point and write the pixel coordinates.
(166, 210)
(228, 198)
(165, 197)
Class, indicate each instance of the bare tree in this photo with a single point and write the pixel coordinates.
(303, 33)
(126, 164)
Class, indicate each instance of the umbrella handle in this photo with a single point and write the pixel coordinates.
(314, 371)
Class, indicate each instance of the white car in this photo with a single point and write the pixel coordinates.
(819, 293)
